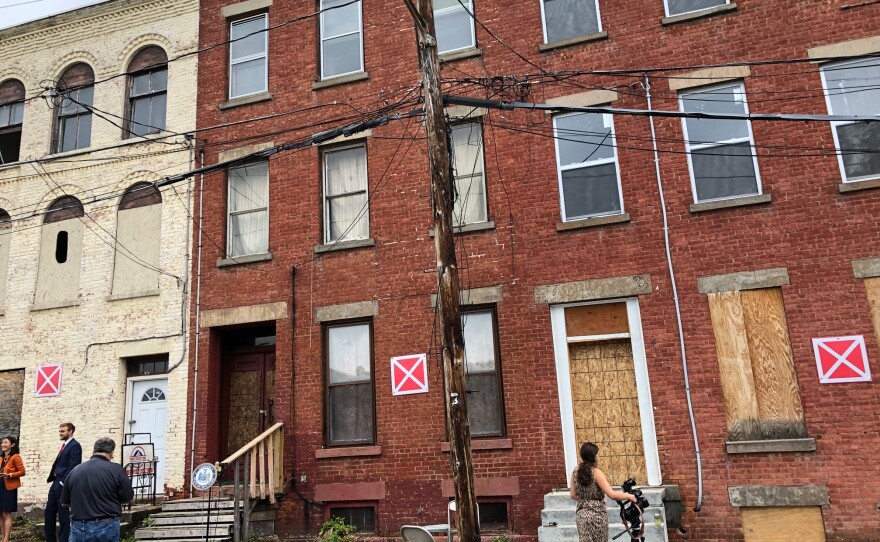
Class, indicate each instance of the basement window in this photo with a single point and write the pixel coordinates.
(11, 117)
(494, 516)
(363, 517)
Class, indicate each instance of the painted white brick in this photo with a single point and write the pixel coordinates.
(93, 391)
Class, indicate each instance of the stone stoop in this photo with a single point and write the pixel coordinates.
(558, 523)
(186, 520)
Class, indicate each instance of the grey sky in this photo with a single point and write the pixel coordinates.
(13, 12)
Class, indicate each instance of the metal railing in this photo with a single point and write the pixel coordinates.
(257, 473)
(143, 481)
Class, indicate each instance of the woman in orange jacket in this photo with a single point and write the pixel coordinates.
(11, 469)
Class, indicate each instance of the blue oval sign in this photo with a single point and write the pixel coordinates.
(204, 476)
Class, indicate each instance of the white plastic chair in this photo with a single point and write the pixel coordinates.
(444, 527)
(414, 533)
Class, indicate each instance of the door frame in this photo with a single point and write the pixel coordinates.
(226, 381)
(129, 387)
(563, 381)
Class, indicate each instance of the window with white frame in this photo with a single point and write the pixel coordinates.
(470, 182)
(586, 163)
(248, 59)
(680, 7)
(564, 19)
(485, 394)
(248, 220)
(350, 417)
(341, 38)
(853, 88)
(721, 152)
(346, 209)
(454, 25)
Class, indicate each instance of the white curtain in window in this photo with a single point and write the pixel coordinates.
(249, 210)
(346, 194)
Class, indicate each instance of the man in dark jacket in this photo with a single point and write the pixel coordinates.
(68, 457)
(95, 492)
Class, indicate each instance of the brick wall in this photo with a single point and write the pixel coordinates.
(12, 391)
(809, 228)
(90, 339)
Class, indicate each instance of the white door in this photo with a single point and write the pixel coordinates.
(148, 408)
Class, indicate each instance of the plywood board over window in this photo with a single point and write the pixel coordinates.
(776, 524)
(872, 285)
(756, 365)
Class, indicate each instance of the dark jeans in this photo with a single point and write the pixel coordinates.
(54, 511)
(94, 530)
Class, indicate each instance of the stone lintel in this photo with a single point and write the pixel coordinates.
(594, 289)
(243, 315)
(347, 311)
(849, 48)
(866, 268)
(475, 296)
(805, 495)
(239, 152)
(584, 99)
(746, 280)
(148, 347)
(364, 491)
(708, 76)
(486, 487)
(241, 8)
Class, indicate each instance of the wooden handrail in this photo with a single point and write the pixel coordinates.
(252, 444)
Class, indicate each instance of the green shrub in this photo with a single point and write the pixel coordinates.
(336, 530)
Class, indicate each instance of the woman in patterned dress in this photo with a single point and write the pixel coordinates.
(588, 484)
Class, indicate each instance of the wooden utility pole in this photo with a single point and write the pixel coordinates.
(452, 336)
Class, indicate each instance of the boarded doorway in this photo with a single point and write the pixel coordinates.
(604, 393)
(12, 392)
(248, 386)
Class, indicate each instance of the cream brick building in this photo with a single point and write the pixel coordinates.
(103, 293)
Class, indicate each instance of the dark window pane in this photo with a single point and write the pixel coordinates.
(140, 84)
(493, 516)
(84, 131)
(362, 517)
(140, 116)
(590, 191)
(859, 143)
(61, 247)
(351, 413)
(85, 96)
(484, 413)
(724, 172)
(570, 18)
(157, 114)
(159, 80)
(68, 134)
(683, 6)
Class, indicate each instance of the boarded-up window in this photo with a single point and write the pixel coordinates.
(60, 253)
(349, 404)
(873, 287)
(12, 392)
(138, 236)
(781, 524)
(757, 369)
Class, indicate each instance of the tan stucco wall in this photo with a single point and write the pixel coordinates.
(93, 390)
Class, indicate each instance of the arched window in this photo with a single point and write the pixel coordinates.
(147, 92)
(11, 116)
(73, 106)
(60, 254)
(138, 234)
(5, 219)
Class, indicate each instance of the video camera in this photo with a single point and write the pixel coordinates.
(631, 512)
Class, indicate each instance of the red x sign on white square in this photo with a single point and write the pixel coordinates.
(409, 374)
(48, 380)
(842, 359)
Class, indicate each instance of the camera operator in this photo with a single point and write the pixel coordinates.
(588, 484)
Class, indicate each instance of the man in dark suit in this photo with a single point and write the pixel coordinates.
(69, 456)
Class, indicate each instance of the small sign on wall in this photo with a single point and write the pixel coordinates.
(842, 359)
(48, 380)
(140, 457)
(409, 374)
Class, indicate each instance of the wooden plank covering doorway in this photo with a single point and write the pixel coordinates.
(604, 394)
(250, 392)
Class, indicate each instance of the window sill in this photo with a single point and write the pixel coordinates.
(771, 446)
(577, 40)
(10, 165)
(133, 295)
(245, 100)
(354, 451)
(856, 186)
(729, 203)
(340, 80)
(54, 305)
(467, 228)
(484, 444)
(345, 245)
(241, 260)
(622, 218)
(702, 14)
(461, 54)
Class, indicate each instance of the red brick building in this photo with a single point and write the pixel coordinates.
(318, 267)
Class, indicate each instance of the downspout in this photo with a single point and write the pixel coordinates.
(684, 365)
(195, 407)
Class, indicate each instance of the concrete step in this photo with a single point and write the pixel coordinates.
(197, 531)
(559, 516)
(563, 533)
(190, 519)
(184, 505)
